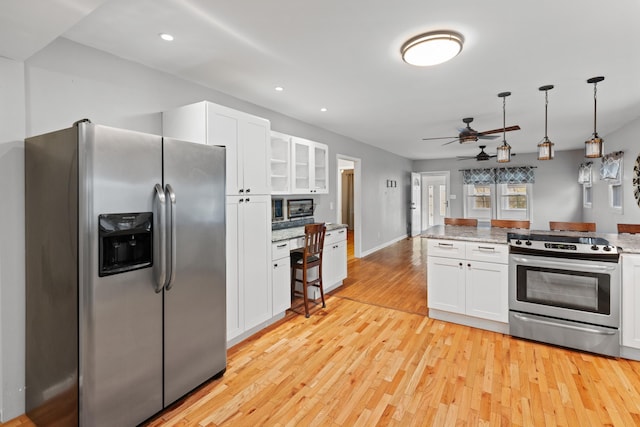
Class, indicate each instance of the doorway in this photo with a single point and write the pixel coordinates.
(348, 203)
(434, 198)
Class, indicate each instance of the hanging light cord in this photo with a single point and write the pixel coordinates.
(504, 120)
(595, 109)
(546, 103)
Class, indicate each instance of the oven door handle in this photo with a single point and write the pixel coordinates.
(574, 266)
(563, 325)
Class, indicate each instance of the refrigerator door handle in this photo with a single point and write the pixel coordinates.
(172, 245)
(160, 247)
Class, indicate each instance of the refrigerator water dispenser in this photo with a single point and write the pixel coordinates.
(125, 241)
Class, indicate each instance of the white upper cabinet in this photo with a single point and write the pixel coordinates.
(280, 163)
(246, 137)
(309, 167)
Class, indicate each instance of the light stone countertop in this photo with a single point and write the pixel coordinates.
(629, 243)
(295, 232)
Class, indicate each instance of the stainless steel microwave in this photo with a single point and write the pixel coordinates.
(299, 208)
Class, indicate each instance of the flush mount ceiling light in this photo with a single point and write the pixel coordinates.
(504, 151)
(432, 48)
(593, 147)
(545, 148)
(166, 37)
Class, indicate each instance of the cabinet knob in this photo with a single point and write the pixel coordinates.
(247, 199)
(241, 200)
(460, 264)
(241, 190)
(468, 265)
(248, 190)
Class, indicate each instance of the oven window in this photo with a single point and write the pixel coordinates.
(564, 288)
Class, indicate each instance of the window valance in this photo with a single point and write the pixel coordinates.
(515, 175)
(478, 176)
(584, 173)
(611, 168)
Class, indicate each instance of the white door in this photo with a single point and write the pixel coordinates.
(435, 202)
(415, 204)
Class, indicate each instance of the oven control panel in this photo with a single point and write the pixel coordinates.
(563, 247)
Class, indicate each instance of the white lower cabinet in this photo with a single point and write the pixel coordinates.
(488, 290)
(249, 287)
(631, 300)
(334, 262)
(468, 278)
(334, 258)
(281, 277)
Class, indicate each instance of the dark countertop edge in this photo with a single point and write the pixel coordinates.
(628, 243)
(296, 232)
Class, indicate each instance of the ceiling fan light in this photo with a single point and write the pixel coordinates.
(432, 48)
(503, 153)
(593, 148)
(468, 138)
(545, 150)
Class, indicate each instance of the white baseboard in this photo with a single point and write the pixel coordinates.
(246, 334)
(474, 322)
(382, 246)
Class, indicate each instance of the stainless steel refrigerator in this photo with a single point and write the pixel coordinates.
(125, 256)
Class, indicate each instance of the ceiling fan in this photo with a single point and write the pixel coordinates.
(468, 134)
(481, 156)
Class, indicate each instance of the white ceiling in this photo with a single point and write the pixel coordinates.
(344, 55)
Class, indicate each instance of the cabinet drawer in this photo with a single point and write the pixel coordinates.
(335, 236)
(280, 250)
(489, 252)
(446, 248)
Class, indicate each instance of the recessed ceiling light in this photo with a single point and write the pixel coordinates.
(323, 109)
(166, 37)
(279, 88)
(432, 48)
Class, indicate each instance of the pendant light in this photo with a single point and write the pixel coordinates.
(504, 151)
(545, 148)
(593, 147)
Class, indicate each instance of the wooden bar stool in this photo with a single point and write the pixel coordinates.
(629, 228)
(510, 223)
(470, 222)
(572, 226)
(309, 257)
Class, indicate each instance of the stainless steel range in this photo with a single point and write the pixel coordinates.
(565, 290)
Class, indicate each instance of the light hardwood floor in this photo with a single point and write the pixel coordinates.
(373, 357)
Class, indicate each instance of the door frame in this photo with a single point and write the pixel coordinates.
(416, 204)
(447, 176)
(357, 200)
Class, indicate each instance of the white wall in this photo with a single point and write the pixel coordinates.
(12, 308)
(66, 82)
(624, 139)
(557, 196)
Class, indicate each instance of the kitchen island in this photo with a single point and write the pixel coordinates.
(465, 285)
(628, 243)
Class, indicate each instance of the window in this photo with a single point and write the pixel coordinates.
(478, 201)
(615, 198)
(515, 201)
(502, 193)
(587, 196)
(443, 200)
